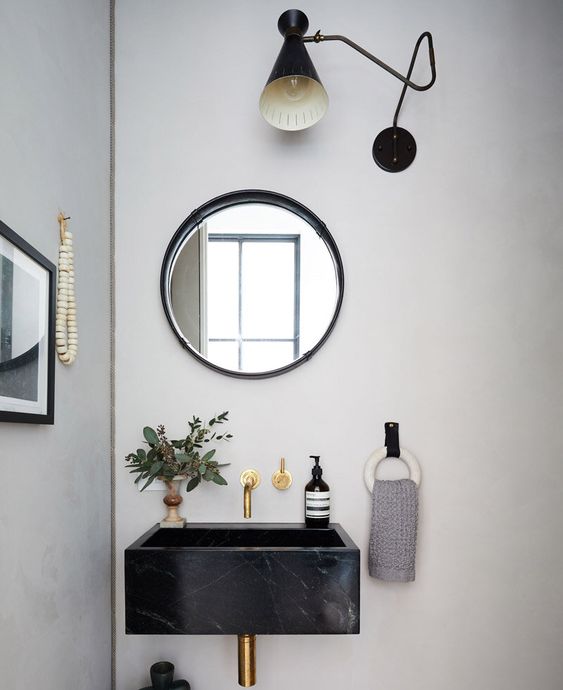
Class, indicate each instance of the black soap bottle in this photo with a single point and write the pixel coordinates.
(317, 498)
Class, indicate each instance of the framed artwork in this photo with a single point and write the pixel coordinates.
(27, 332)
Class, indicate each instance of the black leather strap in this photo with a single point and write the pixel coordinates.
(392, 439)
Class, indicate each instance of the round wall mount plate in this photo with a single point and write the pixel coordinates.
(383, 151)
(282, 480)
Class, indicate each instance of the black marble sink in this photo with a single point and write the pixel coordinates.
(223, 579)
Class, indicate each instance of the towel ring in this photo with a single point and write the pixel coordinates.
(380, 454)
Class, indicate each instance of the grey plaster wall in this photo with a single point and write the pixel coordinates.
(452, 321)
(55, 491)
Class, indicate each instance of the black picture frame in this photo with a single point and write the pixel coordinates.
(37, 363)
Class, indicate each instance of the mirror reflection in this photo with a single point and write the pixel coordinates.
(252, 288)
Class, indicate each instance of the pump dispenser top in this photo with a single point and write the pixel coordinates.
(317, 470)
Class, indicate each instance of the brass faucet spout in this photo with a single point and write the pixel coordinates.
(247, 503)
(249, 479)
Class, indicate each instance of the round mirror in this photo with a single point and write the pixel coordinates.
(252, 283)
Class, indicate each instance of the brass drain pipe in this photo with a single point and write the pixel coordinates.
(247, 660)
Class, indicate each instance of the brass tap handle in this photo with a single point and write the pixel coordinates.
(282, 479)
(250, 479)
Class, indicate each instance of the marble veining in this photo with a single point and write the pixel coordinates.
(232, 579)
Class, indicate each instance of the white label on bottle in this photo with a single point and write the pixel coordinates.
(317, 504)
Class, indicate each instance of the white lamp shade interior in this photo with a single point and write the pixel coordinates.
(293, 102)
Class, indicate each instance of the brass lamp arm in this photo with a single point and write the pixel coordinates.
(318, 38)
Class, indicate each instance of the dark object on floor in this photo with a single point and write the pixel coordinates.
(162, 674)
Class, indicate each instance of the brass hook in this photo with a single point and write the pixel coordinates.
(62, 223)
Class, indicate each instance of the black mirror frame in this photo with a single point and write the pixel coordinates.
(219, 203)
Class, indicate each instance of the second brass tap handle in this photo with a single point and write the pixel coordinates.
(282, 479)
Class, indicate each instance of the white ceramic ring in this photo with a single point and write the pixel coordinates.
(380, 454)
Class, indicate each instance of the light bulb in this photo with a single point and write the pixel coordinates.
(296, 88)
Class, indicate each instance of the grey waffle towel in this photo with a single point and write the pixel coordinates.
(392, 542)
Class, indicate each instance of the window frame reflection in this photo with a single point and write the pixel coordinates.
(240, 239)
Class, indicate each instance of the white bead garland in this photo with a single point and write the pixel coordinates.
(66, 332)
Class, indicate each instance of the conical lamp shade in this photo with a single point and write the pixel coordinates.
(293, 97)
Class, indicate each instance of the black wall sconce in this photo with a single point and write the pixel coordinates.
(294, 97)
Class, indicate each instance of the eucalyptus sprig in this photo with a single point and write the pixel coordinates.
(183, 457)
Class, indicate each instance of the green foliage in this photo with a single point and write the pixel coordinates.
(167, 459)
